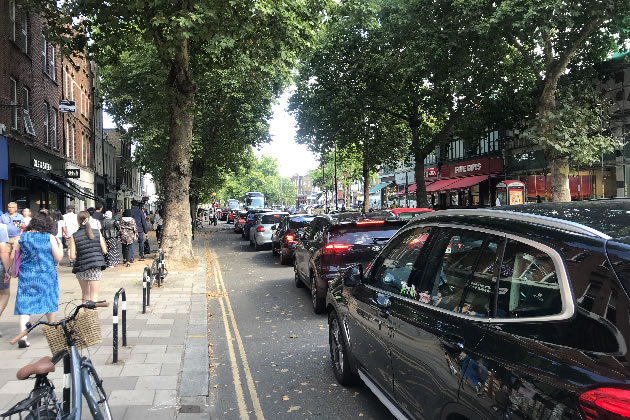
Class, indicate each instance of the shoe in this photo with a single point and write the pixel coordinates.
(141, 258)
(23, 344)
(127, 265)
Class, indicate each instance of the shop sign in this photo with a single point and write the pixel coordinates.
(470, 168)
(40, 164)
(67, 106)
(432, 172)
(73, 173)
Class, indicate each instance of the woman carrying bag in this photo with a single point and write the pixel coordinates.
(86, 248)
(111, 234)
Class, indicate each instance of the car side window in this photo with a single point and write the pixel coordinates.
(394, 267)
(310, 232)
(460, 271)
(528, 283)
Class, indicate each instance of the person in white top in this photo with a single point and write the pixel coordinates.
(71, 222)
(27, 216)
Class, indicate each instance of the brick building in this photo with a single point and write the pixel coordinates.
(38, 143)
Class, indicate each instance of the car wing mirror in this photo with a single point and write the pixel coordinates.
(273, 228)
(353, 275)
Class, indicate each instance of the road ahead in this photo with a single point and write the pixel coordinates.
(269, 351)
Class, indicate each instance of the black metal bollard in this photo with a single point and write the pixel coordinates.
(144, 292)
(115, 321)
(146, 277)
(67, 365)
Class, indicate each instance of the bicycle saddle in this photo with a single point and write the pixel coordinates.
(41, 367)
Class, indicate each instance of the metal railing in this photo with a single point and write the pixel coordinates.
(121, 291)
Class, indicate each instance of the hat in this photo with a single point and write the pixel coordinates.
(108, 214)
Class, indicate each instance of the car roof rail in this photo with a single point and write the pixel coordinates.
(547, 221)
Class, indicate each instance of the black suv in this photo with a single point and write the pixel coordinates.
(287, 234)
(493, 314)
(333, 242)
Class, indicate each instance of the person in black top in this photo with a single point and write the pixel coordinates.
(141, 223)
(98, 212)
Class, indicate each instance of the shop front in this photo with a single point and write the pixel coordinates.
(467, 184)
(33, 179)
(84, 184)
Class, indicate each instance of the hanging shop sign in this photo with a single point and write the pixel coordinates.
(67, 106)
(432, 172)
(73, 173)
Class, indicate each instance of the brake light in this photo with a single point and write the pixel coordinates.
(335, 249)
(605, 403)
(241, 220)
(260, 229)
(289, 237)
(371, 222)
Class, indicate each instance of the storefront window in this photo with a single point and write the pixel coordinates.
(454, 198)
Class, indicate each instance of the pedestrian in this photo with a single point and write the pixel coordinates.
(141, 224)
(70, 221)
(128, 236)
(26, 213)
(112, 238)
(159, 222)
(98, 212)
(38, 285)
(59, 224)
(538, 199)
(14, 222)
(96, 224)
(86, 248)
(5, 285)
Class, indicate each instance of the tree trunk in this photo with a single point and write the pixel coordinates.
(419, 155)
(366, 179)
(559, 168)
(177, 231)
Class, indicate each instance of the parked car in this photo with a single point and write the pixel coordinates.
(239, 221)
(286, 235)
(260, 232)
(249, 221)
(232, 216)
(493, 314)
(408, 213)
(224, 214)
(332, 243)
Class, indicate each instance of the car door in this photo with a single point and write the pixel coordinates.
(303, 250)
(368, 325)
(438, 320)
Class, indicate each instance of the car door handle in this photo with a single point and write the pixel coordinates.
(452, 341)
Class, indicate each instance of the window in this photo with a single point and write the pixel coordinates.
(68, 138)
(25, 26)
(528, 284)
(12, 20)
(53, 128)
(13, 101)
(456, 149)
(82, 99)
(394, 267)
(46, 133)
(66, 79)
(460, 271)
(53, 68)
(44, 54)
(74, 148)
(26, 109)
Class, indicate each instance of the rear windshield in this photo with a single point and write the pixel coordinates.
(363, 235)
(300, 222)
(407, 215)
(270, 219)
(233, 204)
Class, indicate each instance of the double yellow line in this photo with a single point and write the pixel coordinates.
(226, 312)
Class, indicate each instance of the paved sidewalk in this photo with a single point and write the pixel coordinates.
(164, 369)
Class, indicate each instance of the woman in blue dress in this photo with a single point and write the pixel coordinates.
(38, 286)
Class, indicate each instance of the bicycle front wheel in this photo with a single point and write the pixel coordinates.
(94, 393)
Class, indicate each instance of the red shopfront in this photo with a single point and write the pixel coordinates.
(467, 184)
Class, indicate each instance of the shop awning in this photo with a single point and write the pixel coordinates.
(466, 182)
(77, 190)
(379, 187)
(43, 176)
(440, 185)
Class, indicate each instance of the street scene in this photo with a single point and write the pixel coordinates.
(315, 209)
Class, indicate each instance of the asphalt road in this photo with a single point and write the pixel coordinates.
(269, 351)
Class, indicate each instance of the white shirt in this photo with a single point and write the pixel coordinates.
(158, 220)
(95, 224)
(60, 225)
(72, 224)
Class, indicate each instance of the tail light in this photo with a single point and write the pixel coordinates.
(289, 237)
(241, 220)
(605, 404)
(335, 249)
(260, 229)
(371, 222)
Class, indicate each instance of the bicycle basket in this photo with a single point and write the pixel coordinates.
(85, 328)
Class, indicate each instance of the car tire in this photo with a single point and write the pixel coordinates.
(251, 244)
(298, 282)
(319, 304)
(273, 250)
(256, 246)
(339, 351)
(283, 260)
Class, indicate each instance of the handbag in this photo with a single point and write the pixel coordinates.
(14, 269)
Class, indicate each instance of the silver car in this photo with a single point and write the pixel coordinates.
(260, 232)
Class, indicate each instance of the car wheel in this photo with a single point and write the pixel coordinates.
(298, 282)
(274, 252)
(283, 259)
(319, 304)
(339, 351)
(243, 235)
(251, 244)
(256, 246)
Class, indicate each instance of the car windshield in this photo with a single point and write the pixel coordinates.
(363, 235)
(233, 204)
(300, 222)
(270, 219)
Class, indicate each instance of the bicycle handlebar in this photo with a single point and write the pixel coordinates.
(29, 327)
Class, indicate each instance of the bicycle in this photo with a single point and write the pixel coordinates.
(84, 382)
(158, 269)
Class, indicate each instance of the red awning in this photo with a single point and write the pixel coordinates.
(466, 182)
(440, 185)
(412, 188)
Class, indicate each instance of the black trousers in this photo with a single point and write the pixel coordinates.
(126, 252)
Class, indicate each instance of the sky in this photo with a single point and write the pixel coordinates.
(292, 158)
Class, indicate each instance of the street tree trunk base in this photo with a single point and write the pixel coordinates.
(559, 168)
